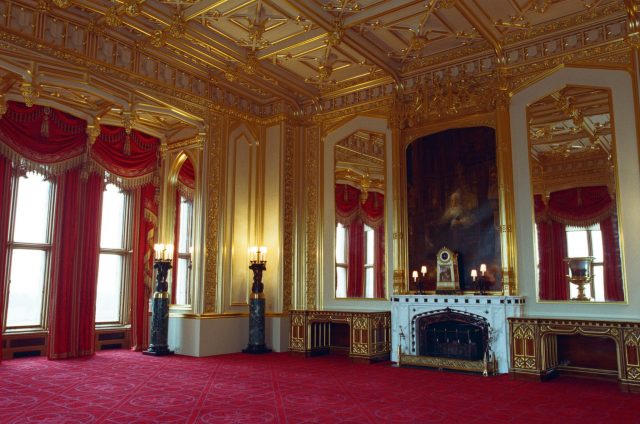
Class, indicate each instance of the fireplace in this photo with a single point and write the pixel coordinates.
(451, 334)
(424, 330)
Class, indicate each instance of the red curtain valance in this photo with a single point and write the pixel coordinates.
(51, 142)
(131, 156)
(349, 206)
(42, 135)
(578, 207)
(187, 174)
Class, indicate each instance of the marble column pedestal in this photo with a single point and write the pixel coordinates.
(256, 325)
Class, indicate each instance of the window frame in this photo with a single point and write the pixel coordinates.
(46, 247)
(185, 255)
(344, 265)
(126, 254)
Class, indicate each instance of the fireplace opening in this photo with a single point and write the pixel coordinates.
(452, 334)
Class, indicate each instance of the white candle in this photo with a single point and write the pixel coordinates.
(415, 276)
(474, 274)
(158, 248)
(253, 253)
(169, 250)
(262, 253)
(423, 270)
(483, 269)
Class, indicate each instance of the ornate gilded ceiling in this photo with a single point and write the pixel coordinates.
(256, 55)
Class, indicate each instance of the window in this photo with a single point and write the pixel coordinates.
(185, 250)
(29, 250)
(115, 256)
(341, 261)
(587, 241)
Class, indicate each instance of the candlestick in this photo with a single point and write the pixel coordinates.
(474, 274)
(483, 269)
(415, 276)
(423, 270)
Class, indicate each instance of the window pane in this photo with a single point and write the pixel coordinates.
(368, 289)
(598, 282)
(182, 284)
(26, 287)
(341, 282)
(369, 246)
(341, 238)
(109, 288)
(596, 242)
(577, 245)
(112, 218)
(32, 209)
(186, 218)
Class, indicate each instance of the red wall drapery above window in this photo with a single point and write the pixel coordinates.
(579, 207)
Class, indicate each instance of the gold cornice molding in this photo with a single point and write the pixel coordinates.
(589, 17)
(198, 103)
(615, 55)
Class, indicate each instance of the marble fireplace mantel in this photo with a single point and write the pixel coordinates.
(496, 309)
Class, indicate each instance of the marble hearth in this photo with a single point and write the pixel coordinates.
(406, 309)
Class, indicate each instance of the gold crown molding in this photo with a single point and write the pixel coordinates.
(593, 14)
(615, 54)
(213, 212)
(351, 111)
(288, 216)
(450, 56)
(10, 41)
(196, 142)
(312, 184)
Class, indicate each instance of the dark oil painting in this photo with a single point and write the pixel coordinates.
(452, 198)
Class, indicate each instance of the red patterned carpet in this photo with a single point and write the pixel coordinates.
(127, 387)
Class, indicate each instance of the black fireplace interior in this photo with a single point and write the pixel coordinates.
(452, 334)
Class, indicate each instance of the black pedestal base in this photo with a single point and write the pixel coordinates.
(256, 349)
(158, 351)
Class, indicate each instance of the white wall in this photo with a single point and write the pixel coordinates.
(629, 193)
(327, 276)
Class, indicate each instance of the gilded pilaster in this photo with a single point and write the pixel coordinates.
(312, 201)
(506, 194)
(288, 253)
(400, 213)
(214, 159)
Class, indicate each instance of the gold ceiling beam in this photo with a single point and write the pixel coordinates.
(353, 40)
(377, 11)
(200, 8)
(482, 28)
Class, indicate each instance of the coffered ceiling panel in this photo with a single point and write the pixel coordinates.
(292, 50)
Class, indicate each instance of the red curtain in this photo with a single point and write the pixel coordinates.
(552, 249)
(145, 222)
(347, 202)
(613, 291)
(89, 257)
(355, 258)
(64, 300)
(5, 202)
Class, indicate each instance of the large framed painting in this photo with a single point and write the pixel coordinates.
(452, 195)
